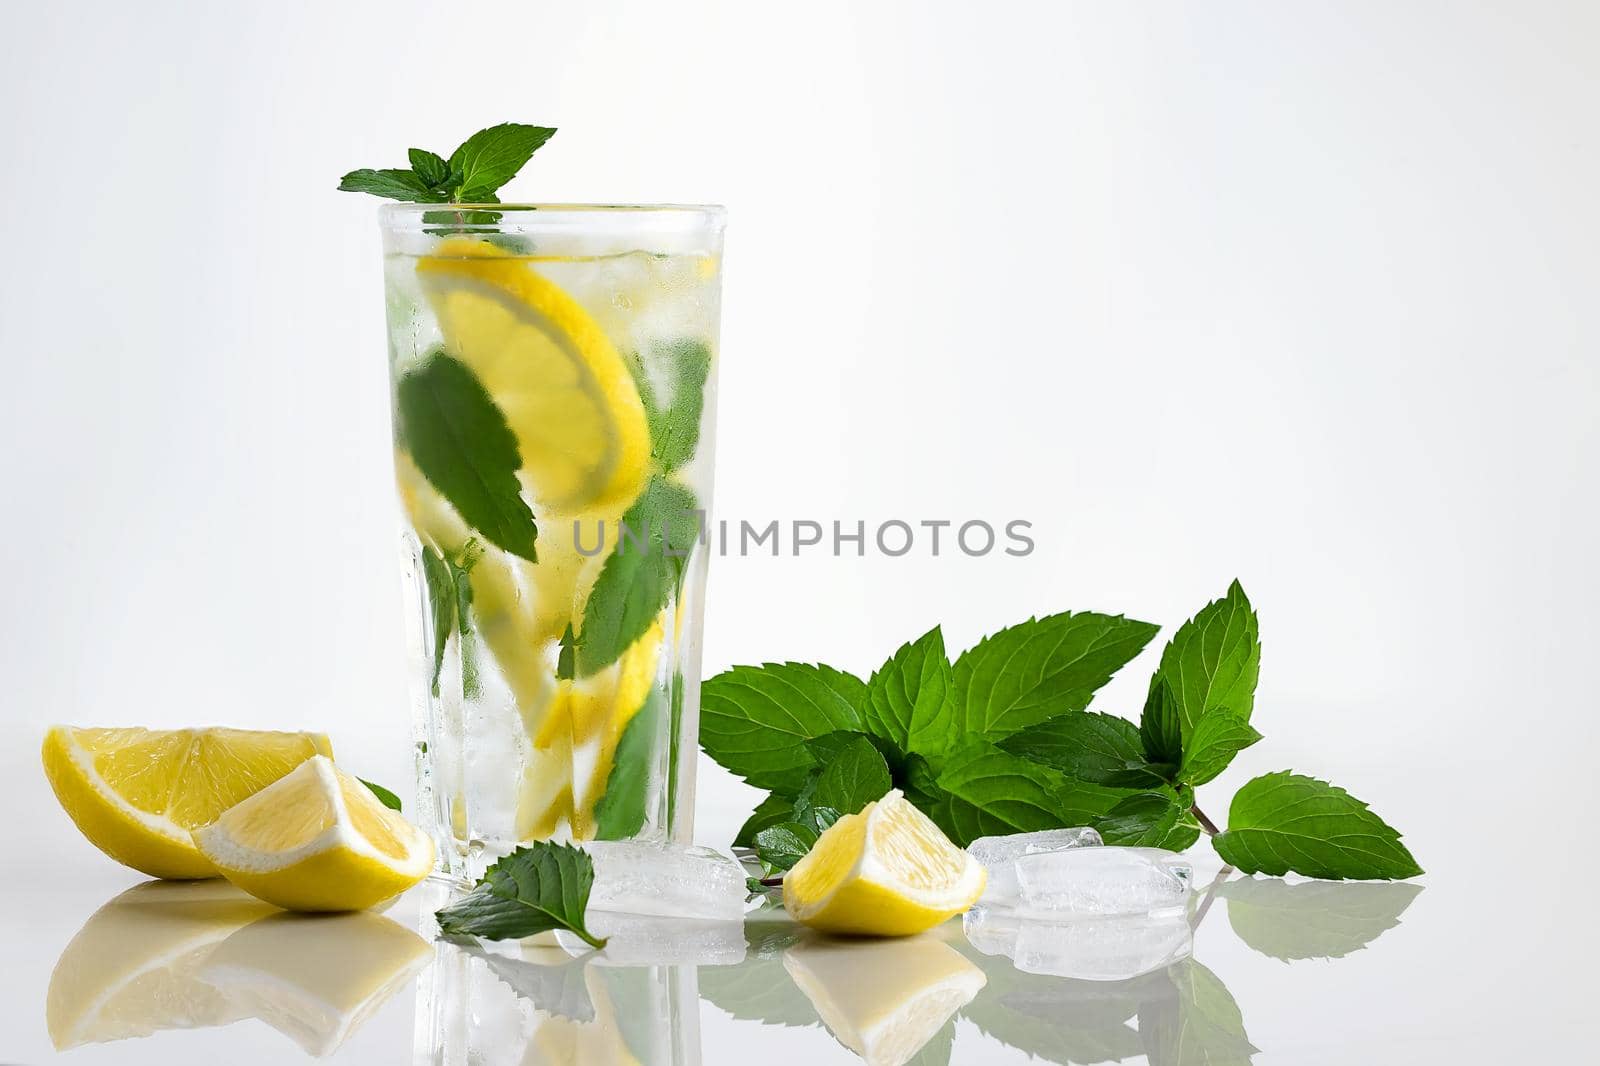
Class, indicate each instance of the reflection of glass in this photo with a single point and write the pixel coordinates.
(554, 374)
(1090, 949)
(188, 955)
(884, 1000)
(521, 1003)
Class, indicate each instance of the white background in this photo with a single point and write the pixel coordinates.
(1303, 294)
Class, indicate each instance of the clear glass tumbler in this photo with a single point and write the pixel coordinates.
(554, 377)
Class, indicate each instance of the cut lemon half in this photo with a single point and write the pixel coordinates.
(318, 840)
(884, 1001)
(555, 375)
(137, 793)
(887, 871)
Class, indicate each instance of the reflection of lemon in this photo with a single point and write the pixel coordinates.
(884, 1001)
(887, 871)
(136, 793)
(565, 392)
(132, 969)
(318, 840)
(315, 978)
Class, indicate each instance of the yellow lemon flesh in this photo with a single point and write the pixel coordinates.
(884, 1001)
(138, 793)
(887, 871)
(318, 840)
(555, 375)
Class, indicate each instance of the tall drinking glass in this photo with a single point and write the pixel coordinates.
(554, 383)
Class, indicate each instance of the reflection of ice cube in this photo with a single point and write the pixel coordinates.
(1101, 881)
(639, 877)
(650, 940)
(997, 854)
(1089, 949)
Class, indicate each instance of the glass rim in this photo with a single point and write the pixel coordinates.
(408, 216)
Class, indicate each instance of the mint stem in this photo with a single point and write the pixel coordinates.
(771, 882)
(1205, 823)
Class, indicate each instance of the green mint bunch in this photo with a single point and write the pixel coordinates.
(1002, 741)
(473, 174)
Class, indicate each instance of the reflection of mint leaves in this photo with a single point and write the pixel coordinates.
(1313, 919)
(461, 443)
(1001, 742)
(1284, 821)
(538, 887)
(474, 172)
(640, 574)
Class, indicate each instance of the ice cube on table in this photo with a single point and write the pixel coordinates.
(1087, 949)
(1101, 881)
(668, 880)
(998, 855)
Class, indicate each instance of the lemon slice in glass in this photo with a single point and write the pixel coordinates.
(887, 871)
(318, 840)
(137, 793)
(555, 375)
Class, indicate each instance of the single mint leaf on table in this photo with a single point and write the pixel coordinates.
(622, 809)
(672, 409)
(1160, 729)
(1151, 820)
(491, 157)
(910, 699)
(391, 184)
(1041, 668)
(779, 847)
(1099, 748)
(755, 720)
(461, 443)
(429, 167)
(640, 575)
(441, 591)
(385, 797)
(1217, 737)
(1313, 919)
(538, 887)
(1214, 660)
(1286, 822)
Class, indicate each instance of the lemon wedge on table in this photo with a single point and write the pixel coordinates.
(318, 840)
(887, 871)
(137, 793)
(552, 371)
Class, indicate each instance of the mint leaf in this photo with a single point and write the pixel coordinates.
(773, 810)
(391, 184)
(461, 443)
(429, 167)
(385, 797)
(1100, 748)
(852, 779)
(537, 887)
(781, 846)
(1041, 668)
(754, 719)
(491, 157)
(984, 791)
(909, 698)
(620, 812)
(1151, 820)
(1160, 729)
(1313, 919)
(1218, 736)
(566, 658)
(1214, 660)
(441, 591)
(640, 575)
(1285, 821)
(674, 418)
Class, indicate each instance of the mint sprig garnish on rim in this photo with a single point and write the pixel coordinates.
(473, 174)
(1002, 741)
